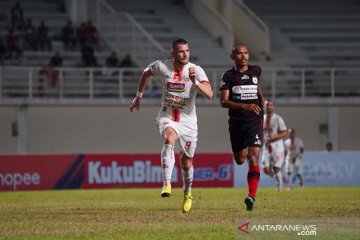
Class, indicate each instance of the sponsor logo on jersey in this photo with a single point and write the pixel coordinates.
(245, 77)
(246, 92)
(255, 80)
(175, 87)
(258, 141)
(244, 89)
(176, 100)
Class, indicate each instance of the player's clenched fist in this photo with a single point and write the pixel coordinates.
(192, 73)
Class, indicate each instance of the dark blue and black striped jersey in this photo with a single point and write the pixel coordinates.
(243, 87)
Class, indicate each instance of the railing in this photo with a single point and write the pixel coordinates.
(125, 35)
(252, 15)
(214, 23)
(31, 85)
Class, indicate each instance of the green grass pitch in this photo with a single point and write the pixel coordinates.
(217, 213)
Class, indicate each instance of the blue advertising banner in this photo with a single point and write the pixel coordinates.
(318, 169)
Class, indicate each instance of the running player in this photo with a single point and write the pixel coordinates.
(294, 149)
(273, 151)
(242, 95)
(177, 120)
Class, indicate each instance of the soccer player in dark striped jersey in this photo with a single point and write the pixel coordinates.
(242, 95)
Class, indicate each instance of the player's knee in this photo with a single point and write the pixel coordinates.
(267, 170)
(186, 166)
(253, 159)
(170, 140)
(240, 161)
(186, 162)
(169, 136)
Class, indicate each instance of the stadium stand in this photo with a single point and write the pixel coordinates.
(306, 33)
(53, 13)
(157, 17)
(145, 30)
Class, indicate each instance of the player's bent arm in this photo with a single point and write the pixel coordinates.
(261, 96)
(226, 103)
(145, 76)
(281, 135)
(205, 89)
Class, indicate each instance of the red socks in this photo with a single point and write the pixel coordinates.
(253, 178)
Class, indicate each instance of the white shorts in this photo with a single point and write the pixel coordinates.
(187, 133)
(276, 158)
(294, 167)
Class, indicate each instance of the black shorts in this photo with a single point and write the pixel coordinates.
(245, 134)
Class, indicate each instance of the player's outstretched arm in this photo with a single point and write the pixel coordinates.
(145, 76)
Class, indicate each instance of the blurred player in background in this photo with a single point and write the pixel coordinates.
(294, 149)
(273, 151)
(177, 119)
(242, 95)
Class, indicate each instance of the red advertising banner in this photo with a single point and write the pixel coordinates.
(36, 172)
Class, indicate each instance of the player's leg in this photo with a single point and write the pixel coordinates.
(297, 168)
(285, 171)
(187, 172)
(253, 176)
(279, 159)
(238, 146)
(188, 142)
(278, 179)
(289, 171)
(265, 161)
(168, 159)
(254, 136)
(241, 156)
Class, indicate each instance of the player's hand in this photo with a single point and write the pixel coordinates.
(192, 74)
(253, 108)
(136, 103)
(268, 138)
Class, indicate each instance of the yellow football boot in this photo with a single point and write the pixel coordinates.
(166, 191)
(187, 203)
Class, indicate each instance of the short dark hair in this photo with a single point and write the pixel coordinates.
(178, 41)
(236, 46)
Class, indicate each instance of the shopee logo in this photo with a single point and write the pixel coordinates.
(17, 179)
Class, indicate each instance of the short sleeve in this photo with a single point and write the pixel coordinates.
(301, 143)
(155, 67)
(282, 126)
(224, 83)
(201, 75)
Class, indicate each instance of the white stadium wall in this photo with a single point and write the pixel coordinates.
(112, 129)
